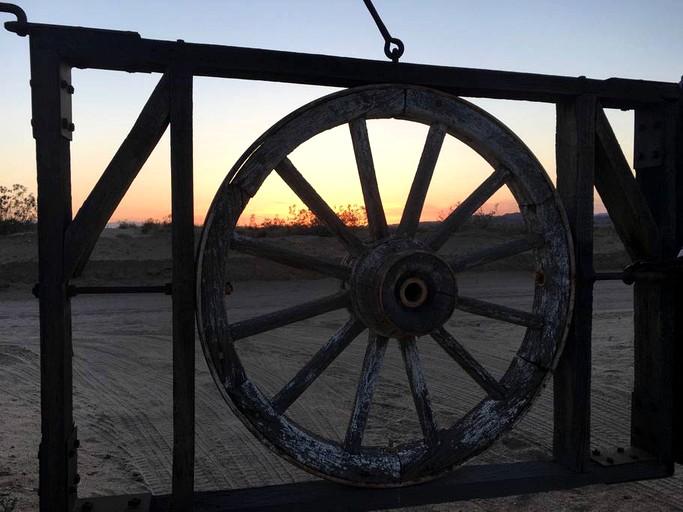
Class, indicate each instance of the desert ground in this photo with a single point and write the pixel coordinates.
(123, 385)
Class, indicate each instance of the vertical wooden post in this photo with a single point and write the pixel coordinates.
(51, 115)
(678, 317)
(575, 142)
(180, 75)
(656, 154)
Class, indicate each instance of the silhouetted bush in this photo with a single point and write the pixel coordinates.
(17, 209)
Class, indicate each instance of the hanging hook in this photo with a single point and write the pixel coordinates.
(19, 26)
(393, 53)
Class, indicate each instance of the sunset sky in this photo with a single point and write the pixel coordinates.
(595, 38)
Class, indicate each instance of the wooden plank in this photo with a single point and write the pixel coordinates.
(575, 144)
(57, 489)
(365, 390)
(481, 481)
(418, 388)
(498, 252)
(423, 177)
(619, 191)
(468, 363)
(377, 221)
(182, 235)
(317, 365)
(678, 316)
(127, 51)
(655, 302)
(467, 208)
(100, 204)
(294, 259)
(498, 312)
(269, 321)
(290, 175)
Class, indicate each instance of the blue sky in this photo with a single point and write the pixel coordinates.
(599, 39)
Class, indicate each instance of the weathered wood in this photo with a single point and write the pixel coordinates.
(270, 321)
(318, 206)
(498, 312)
(678, 316)
(376, 289)
(467, 208)
(127, 51)
(655, 302)
(418, 388)
(575, 144)
(57, 489)
(102, 201)
(499, 252)
(423, 177)
(317, 365)
(478, 481)
(367, 382)
(468, 363)
(619, 191)
(182, 235)
(294, 259)
(377, 221)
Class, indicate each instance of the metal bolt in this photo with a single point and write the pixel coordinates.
(596, 452)
(67, 87)
(620, 450)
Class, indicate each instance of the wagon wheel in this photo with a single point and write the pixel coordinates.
(394, 286)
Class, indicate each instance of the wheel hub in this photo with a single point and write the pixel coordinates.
(400, 288)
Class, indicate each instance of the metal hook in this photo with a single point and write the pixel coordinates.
(393, 53)
(19, 26)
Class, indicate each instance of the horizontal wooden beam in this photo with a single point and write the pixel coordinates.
(127, 51)
(486, 481)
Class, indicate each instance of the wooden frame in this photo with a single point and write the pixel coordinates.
(646, 210)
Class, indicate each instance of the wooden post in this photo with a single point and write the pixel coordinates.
(678, 317)
(655, 159)
(180, 75)
(576, 137)
(51, 103)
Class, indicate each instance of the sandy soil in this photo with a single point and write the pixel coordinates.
(122, 377)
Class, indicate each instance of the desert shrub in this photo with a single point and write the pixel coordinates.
(153, 225)
(301, 221)
(17, 209)
(480, 220)
(124, 224)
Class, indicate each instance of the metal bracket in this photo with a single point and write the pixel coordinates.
(66, 91)
(648, 146)
(653, 270)
(620, 456)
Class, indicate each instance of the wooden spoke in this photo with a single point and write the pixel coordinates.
(318, 206)
(496, 253)
(377, 221)
(369, 376)
(317, 365)
(469, 364)
(263, 323)
(423, 177)
(489, 310)
(294, 259)
(467, 208)
(418, 388)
